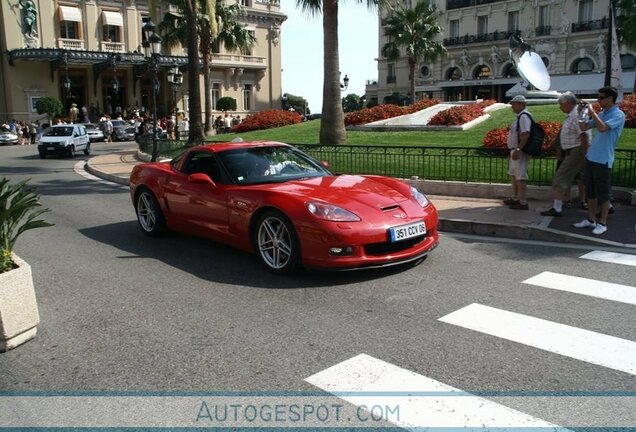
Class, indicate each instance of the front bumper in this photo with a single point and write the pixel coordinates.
(53, 149)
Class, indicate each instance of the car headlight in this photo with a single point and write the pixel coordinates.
(331, 212)
(419, 197)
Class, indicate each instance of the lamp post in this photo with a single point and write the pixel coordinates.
(114, 83)
(345, 83)
(152, 48)
(67, 80)
(175, 77)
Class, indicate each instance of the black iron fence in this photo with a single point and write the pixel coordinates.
(463, 164)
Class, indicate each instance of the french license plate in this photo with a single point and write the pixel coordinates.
(50, 148)
(404, 232)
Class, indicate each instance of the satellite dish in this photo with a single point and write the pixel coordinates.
(529, 64)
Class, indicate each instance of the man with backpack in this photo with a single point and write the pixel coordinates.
(518, 162)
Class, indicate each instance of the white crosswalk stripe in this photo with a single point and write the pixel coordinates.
(370, 379)
(611, 257)
(584, 345)
(588, 287)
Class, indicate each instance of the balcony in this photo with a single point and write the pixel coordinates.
(590, 25)
(485, 37)
(237, 60)
(117, 47)
(70, 44)
(458, 4)
(543, 30)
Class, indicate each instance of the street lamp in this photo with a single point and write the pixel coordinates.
(345, 83)
(175, 77)
(67, 80)
(152, 48)
(115, 83)
(283, 101)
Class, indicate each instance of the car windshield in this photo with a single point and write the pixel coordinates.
(59, 131)
(90, 126)
(118, 123)
(270, 165)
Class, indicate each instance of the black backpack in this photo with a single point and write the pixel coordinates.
(535, 140)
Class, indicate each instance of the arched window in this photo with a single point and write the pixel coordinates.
(510, 70)
(583, 65)
(454, 74)
(628, 62)
(481, 71)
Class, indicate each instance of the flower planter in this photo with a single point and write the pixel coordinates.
(19, 315)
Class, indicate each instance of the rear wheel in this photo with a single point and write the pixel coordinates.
(87, 150)
(149, 214)
(276, 243)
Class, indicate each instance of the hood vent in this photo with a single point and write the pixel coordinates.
(390, 208)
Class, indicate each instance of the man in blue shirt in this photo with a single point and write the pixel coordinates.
(609, 124)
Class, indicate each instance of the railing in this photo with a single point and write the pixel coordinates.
(113, 47)
(485, 37)
(457, 4)
(235, 58)
(459, 164)
(543, 30)
(391, 79)
(590, 25)
(70, 44)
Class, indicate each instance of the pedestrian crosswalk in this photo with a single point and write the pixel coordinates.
(374, 381)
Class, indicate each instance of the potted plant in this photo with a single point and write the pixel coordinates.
(19, 210)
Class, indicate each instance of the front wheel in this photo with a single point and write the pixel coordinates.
(71, 151)
(87, 150)
(276, 243)
(149, 214)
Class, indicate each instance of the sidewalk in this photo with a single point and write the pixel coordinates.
(480, 216)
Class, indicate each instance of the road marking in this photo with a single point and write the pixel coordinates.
(588, 287)
(611, 257)
(584, 345)
(370, 376)
(80, 169)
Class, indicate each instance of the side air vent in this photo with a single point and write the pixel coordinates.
(390, 208)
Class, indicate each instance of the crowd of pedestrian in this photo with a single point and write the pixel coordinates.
(223, 124)
(582, 157)
(27, 132)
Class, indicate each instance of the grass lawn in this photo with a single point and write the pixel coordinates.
(308, 132)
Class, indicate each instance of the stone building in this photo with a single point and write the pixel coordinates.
(89, 52)
(569, 35)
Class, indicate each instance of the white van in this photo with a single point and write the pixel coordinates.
(64, 139)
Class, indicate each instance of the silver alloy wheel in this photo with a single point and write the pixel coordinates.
(275, 243)
(146, 211)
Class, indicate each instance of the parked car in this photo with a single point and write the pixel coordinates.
(274, 200)
(94, 132)
(123, 131)
(64, 139)
(7, 137)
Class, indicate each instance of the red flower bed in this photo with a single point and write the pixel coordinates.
(498, 138)
(460, 114)
(382, 112)
(267, 120)
(628, 106)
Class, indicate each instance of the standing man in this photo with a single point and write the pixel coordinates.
(600, 157)
(518, 163)
(571, 152)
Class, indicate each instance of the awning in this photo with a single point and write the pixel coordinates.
(69, 13)
(112, 18)
(588, 83)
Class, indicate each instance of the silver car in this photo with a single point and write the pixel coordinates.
(7, 137)
(94, 132)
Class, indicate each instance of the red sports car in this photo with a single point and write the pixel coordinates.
(274, 200)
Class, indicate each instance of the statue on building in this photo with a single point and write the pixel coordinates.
(564, 26)
(465, 59)
(495, 58)
(600, 51)
(29, 18)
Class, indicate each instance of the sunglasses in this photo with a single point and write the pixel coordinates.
(600, 97)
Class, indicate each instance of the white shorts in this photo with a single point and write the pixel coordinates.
(519, 168)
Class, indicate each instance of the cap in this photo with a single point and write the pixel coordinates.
(518, 98)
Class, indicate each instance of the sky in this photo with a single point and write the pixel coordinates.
(302, 50)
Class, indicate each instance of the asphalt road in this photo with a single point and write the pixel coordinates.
(124, 312)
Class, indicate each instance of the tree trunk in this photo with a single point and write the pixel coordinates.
(205, 53)
(412, 76)
(194, 88)
(332, 128)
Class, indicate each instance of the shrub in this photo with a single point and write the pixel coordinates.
(385, 111)
(628, 106)
(226, 104)
(460, 114)
(497, 139)
(49, 105)
(267, 120)
(18, 212)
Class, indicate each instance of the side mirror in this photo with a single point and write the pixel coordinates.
(200, 178)
(325, 164)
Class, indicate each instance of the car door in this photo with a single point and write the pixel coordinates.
(199, 206)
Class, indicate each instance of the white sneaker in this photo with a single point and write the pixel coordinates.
(600, 229)
(585, 223)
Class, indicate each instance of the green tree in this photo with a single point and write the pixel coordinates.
(332, 128)
(627, 24)
(226, 29)
(49, 105)
(226, 103)
(416, 30)
(352, 102)
(298, 103)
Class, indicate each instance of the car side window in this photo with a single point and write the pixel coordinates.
(206, 163)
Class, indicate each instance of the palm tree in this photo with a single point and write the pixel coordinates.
(416, 31)
(227, 29)
(332, 129)
(627, 24)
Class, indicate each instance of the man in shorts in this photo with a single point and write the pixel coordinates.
(571, 152)
(518, 163)
(609, 124)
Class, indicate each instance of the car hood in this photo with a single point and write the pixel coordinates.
(349, 191)
(46, 139)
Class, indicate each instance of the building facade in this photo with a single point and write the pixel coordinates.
(570, 36)
(89, 52)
